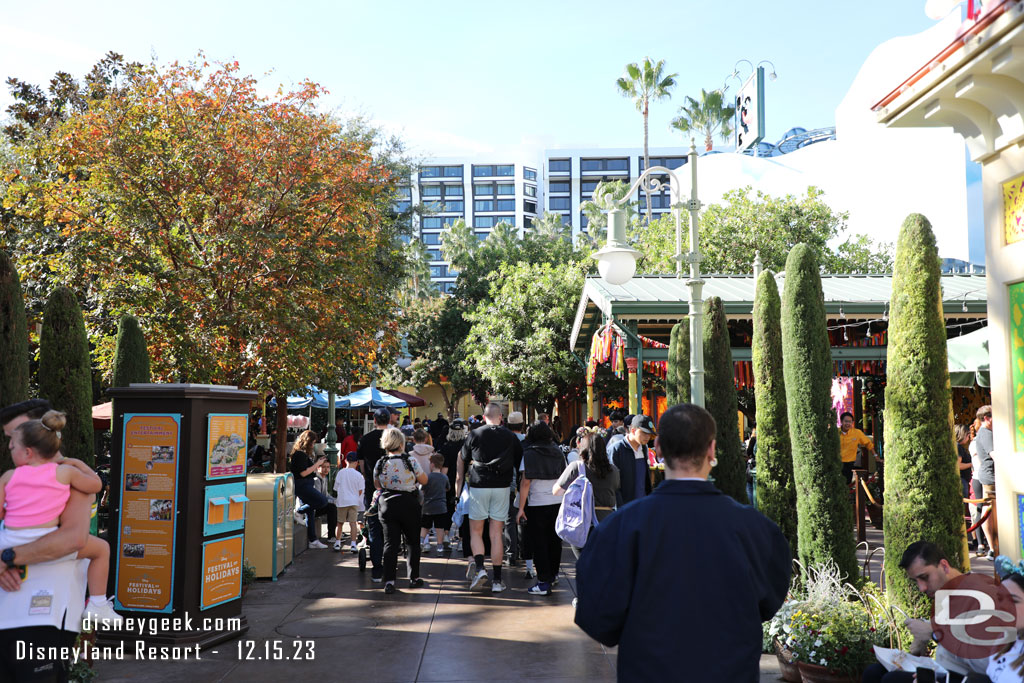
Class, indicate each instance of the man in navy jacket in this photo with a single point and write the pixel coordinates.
(629, 455)
(681, 580)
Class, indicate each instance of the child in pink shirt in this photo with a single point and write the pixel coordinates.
(34, 493)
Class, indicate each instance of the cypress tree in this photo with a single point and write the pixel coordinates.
(65, 371)
(824, 512)
(677, 378)
(923, 498)
(776, 491)
(730, 473)
(131, 359)
(13, 346)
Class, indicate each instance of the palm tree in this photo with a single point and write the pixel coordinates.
(503, 237)
(459, 243)
(643, 83)
(550, 226)
(605, 194)
(417, 260)
(708, 116)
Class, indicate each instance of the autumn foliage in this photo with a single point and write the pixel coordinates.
(251, 234)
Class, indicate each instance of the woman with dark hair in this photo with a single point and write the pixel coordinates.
(603, 476)
(304, 469)
(543, 463)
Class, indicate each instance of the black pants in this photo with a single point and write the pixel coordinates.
(848, 468)
(400, 515)
(544, 542)
(317, 504)
(15, 669)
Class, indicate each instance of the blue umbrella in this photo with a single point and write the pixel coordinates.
(371, 397)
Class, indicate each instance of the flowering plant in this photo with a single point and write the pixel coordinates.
(876, 487)
(839, 636)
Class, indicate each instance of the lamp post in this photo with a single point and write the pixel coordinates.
(617, 261)
(331, 449)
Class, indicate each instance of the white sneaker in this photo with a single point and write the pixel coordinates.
(317, 544)
(440, 551)
(498, 587)
(337, 545)
(299, 519)
(355, 549)
(480, 579)
(102, 615)
(470, 569)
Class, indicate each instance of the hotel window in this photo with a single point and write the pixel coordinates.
(430, 172)
(583, 221)
(431, 238)
(483, 189)
(405, 191)
(566, 220)
(483, 205)
(438, 271)
(453, 190)
(435, 255)
(529, 174)
(506, 205)
(431, 222)
(528, 222)
(558, 187)
(483, 171)
(511, 220)
(430, 190)
(530, 190)
(399, 207)
(452, 171)
(506, 170)
(506, 188)
(559, 203)
(454, 206)
(530, 207)
(560, 165)
(604, 164)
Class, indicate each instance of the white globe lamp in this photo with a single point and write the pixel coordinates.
(616, 262)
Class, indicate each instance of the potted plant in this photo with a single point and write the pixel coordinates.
(776, 630)
(833, 643)
(248, 576)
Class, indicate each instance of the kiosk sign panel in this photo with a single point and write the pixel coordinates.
(146, 528)
(226, 449)
(222, 571)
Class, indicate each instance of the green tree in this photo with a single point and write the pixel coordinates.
(732, 230)
(519, 338)
(720, 399)
(418, 283)
(503, 238)
(550, 225)
(709, 115)
(644, 83)
(923, 499)
(65, 372)
(13, 346)
(603, 198)
(776, 491)
(459, 244)
(131, 357)
(677, 376)
(824, 515)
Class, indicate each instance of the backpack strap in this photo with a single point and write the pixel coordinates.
(583, 468)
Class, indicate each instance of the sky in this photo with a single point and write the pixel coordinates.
(455, 78)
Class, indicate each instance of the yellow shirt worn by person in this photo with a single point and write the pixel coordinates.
(850, 441)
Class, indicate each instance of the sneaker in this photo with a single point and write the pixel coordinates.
(498, 587)
(470, 570)
(355, 549)
(554, 581)
(574, 600)
(540, 589)
(528, 575)
(337, 545)
(102, 615)
(480, 579)
(376, 579)
(416, 583)
(299, 519)
(316, 544)
(389, 588)
(439, 551)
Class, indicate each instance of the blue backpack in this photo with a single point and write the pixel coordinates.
(576, 514)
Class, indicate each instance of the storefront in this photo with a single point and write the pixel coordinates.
(975, 85)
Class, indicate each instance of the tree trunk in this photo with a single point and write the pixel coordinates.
(281, 434)
(647, 165)
(708, 143)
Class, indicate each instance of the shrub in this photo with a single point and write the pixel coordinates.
(131, 359)
(677, 378)
(923, 495)
(65, 372)
(824, 513)
(13, 346)
(720, 398)
(776, 491)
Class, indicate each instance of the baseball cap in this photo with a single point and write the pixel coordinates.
(458, 423)
(643, 423)
(381, 415)
(515, 418)
(393, 411)
(617, 416)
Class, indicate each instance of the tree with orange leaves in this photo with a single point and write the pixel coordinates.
(252, 235)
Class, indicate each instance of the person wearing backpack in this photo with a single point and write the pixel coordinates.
(397, 474)
(543, 463)
(603, 477)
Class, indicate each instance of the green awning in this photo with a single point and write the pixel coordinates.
(968, 359)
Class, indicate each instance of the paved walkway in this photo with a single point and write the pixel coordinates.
(440, 633)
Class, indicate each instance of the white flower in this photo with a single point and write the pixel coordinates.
(817, 643)
(787, 628)
(823, 661)
(813, 652)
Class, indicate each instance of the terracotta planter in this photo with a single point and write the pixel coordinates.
(788, 669)
(812, 673)
(875, 513)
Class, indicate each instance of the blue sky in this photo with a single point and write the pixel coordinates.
(457, 77)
